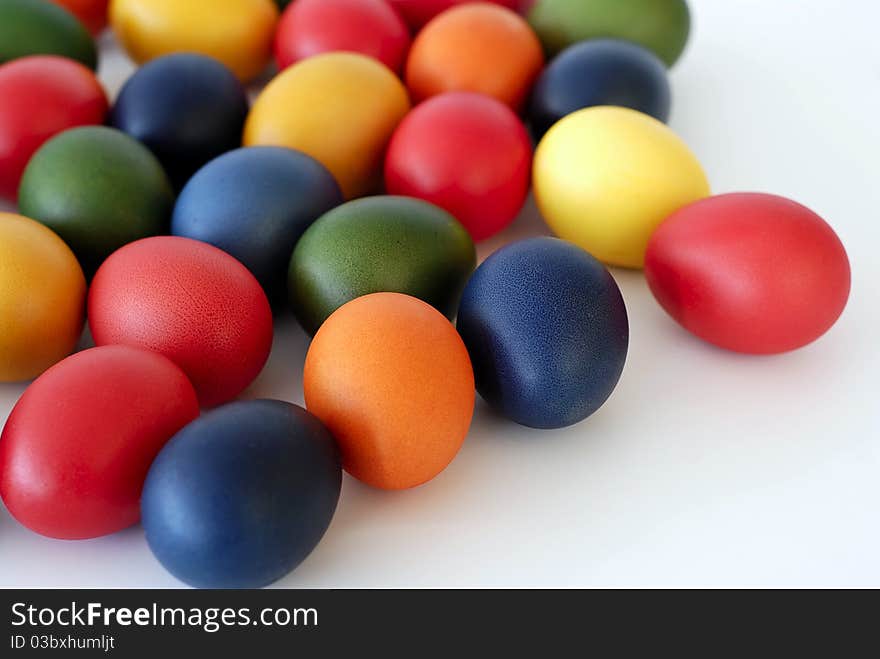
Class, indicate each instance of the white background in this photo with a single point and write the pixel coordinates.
(705, 468)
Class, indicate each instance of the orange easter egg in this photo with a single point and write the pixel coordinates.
(475, 47)
(391, 379)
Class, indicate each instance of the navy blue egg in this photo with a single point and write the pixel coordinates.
(186, 108)
(255, 203)
(547, 331)
(242, 495)
(600, 72)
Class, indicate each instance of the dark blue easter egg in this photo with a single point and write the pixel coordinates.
(241, 496)
(547, 331)
(600, 72)
(255, 203)
(187, 108)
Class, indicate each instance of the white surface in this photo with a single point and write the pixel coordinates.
(705, 468)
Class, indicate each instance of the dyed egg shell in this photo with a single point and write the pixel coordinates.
(754, 273)
(600, 72)
(606, 177)
(42, 298)
(418, 12)
(42, 28)
(191, 302)
(98, 189)
(475, 48)
(485, 190)
(239, 33)
(43, 95)
(659, 25)
(187, 109)
(339, 108)
(390, 378)
(547, 331)
(92, 13)
(379, 244)
(240, 497)
(255, 203)
(77, 446)
(369, 27)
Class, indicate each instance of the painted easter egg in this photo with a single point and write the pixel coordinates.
(76, 449)
(486, 189)
(754, 273)
(92, 13)
(606, 177)
(418, 12)
(98, 189)
(547, 331)
(42, 298)
(369, 27)
(255, 203)
(660, 25)
(390, 378)
(240, 497)
(191, 302)
(339, 108)
(29, 27)
(239, 33)
(187, 109)
(43, 95)
(600, 72)
(379, 244)
(475, 48)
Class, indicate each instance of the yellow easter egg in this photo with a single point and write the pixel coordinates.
(239, 33)
(339, 108)
(42, 298)
(606, 177)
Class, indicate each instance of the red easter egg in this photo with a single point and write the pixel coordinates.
(464, 152)
(368, 27)
(93, 13)
(418, 12)
(41, 96)
(754, 273)
(77, 447)
(189, 301)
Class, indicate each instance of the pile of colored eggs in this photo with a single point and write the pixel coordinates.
(419, 103)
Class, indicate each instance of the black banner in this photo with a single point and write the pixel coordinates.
(413, 623)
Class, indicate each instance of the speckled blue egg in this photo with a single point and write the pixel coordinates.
(186, 108)
(255, 203)
(547, 331)
(242, 495)
(600, 72)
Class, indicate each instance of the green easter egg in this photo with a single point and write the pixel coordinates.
(37, 27)
(98, 189)
(379, 244)
(659, 25)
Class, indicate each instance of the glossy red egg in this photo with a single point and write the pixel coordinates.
(368, 27)
(466, 153)
(40, 96)
(77, 447)
(189, 301)
(753, 273)
(418, 12)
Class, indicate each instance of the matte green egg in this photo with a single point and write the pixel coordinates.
(98, 189)
(37, 27)
(379, 244)
(659, 25)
